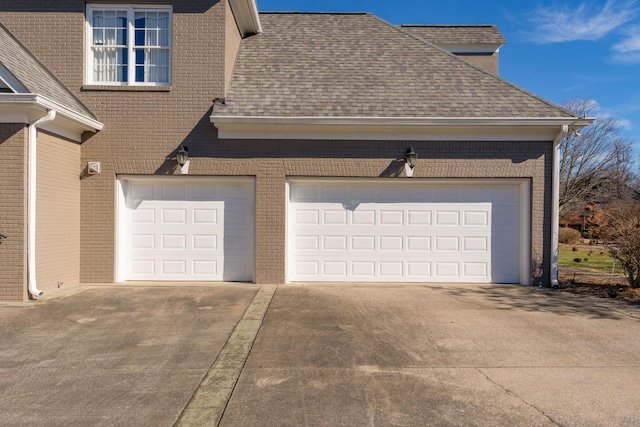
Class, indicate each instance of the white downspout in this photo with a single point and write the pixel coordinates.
(555, 204)
(31, 202)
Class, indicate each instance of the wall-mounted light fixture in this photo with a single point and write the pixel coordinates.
(182, 157)
(410, 161)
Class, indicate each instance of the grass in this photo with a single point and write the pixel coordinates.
(593, 260)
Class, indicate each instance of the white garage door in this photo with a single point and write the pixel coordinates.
(407, 231)
(186, 229)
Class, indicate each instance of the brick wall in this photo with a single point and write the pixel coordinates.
(58, 213)
(13, 212)
(487, 62)
(271, 162)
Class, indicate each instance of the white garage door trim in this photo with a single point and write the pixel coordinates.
(522, 257)
(198, 231)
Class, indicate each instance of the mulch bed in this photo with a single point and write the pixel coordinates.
(600, 286)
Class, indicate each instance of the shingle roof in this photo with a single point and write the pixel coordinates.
(356, 65)
(457, 34)
(34, 76)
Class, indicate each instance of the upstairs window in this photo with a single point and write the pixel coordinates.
(128, 45)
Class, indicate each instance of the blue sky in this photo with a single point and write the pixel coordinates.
(557, 49)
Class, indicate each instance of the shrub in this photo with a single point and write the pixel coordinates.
(568, 235)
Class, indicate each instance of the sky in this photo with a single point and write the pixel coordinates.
(557, 49)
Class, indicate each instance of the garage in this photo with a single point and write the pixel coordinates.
(185, 229)
(454, 231)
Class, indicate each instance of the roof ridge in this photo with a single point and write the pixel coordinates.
(293, 12)
(482, 70)
(449, 25)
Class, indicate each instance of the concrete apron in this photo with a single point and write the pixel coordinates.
(439, 355)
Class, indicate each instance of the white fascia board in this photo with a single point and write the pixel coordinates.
(24, 108)
(247, 16)
(384, 128)
(10, 81)
(461, 49)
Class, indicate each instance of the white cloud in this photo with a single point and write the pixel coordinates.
(628, 50)
(587, 21)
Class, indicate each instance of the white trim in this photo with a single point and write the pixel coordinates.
(24, 108)
(10, 81)
(525, 233)
(131, 66)
(555, 205)
(385, 128)
(461, 49)
(247, 16)
(524, 185)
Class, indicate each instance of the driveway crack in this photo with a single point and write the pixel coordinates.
(517, 396)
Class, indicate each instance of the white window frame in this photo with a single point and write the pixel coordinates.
(130, 43)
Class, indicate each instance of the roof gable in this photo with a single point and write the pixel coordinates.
(357, 65)
(30, 75)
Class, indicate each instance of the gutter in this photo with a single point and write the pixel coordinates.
(247, 16)
(31, 202)
(555, 205)
(402, 121)
(25, 100)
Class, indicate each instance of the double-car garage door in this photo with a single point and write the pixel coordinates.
(407, 231)
(370, 230)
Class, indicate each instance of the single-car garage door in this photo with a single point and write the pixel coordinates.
(408, 231)
(186, 229)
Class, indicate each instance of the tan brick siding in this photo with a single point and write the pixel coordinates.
(232, 44)
(58, 213)
(487, 62)
(271, 162)
(13, 212)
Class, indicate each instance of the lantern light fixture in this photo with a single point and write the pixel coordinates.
(411, 157)
(182, 155)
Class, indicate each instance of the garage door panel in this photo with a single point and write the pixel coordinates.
(198, 229)
(419, 233)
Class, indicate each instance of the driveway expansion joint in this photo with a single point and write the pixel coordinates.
(208, 403)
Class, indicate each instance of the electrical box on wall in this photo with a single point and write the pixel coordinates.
(93, 168)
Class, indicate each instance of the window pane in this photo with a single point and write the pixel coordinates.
(98, 19)
(139, 20)
(98, 37)
(163, 38)
(152, 38)
(140, 74)
(109, 65)
(139, 37)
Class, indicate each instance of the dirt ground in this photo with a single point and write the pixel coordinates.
(600, 286)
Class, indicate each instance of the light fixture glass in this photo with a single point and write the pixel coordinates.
(182, 155)
(411, 157)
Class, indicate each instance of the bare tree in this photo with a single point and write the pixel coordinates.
(596, 164)
(622, 237)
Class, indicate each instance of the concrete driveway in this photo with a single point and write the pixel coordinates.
(322, 356)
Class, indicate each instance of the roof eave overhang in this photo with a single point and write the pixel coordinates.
(25, 108)
(471, 48)
(384, 128)
(247, 16)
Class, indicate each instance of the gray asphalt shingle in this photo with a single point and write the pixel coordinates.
(357, 65)
(34, 76)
